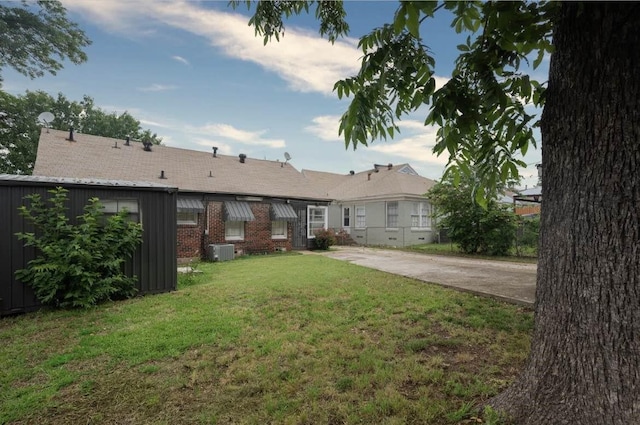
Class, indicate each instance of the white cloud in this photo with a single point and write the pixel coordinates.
(227, 131)
(325, 127)
(307, 62)
(154, 123)
(181, 60)
(223, 148)
(417, 147)
(155, 87)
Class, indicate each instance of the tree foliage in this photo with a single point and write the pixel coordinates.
(78, 265)
(20, 129)
(476, 229)
(37, 37)
(481, 112)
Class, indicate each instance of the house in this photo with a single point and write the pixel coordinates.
(154, 204)
(385, 205)
(255, 205)
(528, 202)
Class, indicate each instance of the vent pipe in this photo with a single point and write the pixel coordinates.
(242, 157)
(369, 176)
(147, 145)
(71, 135)
(389, 166)
(127, 140)
(352, 172)
(115, 145)
(215, 151)
(162, 176)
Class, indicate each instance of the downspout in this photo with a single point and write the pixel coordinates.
(205, 234)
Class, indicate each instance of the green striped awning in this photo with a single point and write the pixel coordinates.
(237, 211)
(283, 212)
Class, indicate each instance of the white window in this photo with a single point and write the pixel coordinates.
(114, 206)
(346, 217)
(279, 229)
(421, 215)
(392, 215)
(361, 218)
(317, 219)
(234, 230)
(187, 217)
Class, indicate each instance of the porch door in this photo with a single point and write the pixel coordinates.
(299, 240)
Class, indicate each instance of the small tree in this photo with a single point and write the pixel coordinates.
(77, 265)
(476, 229)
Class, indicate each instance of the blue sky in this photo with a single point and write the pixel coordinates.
(195, 73)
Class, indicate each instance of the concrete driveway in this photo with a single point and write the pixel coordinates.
(513, 282)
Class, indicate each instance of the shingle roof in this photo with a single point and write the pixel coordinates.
(97, 157)
(378, 182)
(13, 178)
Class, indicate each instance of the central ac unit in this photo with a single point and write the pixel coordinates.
(223, 252)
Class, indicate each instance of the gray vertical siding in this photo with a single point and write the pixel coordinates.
(154, 262)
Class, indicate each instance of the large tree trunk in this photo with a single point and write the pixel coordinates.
(584, 366)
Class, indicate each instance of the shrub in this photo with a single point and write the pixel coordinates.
(324, 239)
(477, 229)
(77, 265)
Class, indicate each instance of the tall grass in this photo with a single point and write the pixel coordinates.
(284, 339)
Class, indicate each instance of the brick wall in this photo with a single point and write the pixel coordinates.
(190, 240)
(257, 233)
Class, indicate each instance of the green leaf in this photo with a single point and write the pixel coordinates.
(413, 20)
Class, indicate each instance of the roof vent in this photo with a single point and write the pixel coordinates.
(242, 157)
(162, 176)
(210, 173)
(71, 135)
(352, 172)
(389, 166)
(115, 145)
(147, 145)
(127, 140)
(369, 176)
(215, 151)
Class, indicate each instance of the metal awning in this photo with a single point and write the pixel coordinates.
(237, 211)
(190, 205)
(283, 212)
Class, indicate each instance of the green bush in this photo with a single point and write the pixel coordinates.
(77, 265)
(324, 239)
(477, 229)
(527, 236)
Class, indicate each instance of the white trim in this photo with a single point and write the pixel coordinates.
(325, 225)
(386, 215)
(364, 215)
(279, 236)
(423, 211)
(234, 238)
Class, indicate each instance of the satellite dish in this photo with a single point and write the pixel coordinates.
(45, 118)
(287, 156)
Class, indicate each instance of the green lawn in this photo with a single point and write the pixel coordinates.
(288, 339)
(524, 255)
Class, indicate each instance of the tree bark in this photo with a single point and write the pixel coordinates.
(584, 366)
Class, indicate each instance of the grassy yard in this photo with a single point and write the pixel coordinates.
(525, 255)
(290, 339)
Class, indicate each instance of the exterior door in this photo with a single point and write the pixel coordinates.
(299, 239)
